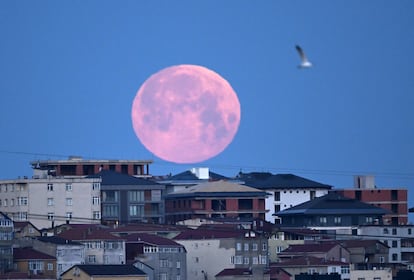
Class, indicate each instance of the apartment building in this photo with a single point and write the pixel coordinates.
(400, 240)
(285, 190)
(332, 212)
(128, 199)
(212, 249)
(101, 247)
(52, 201)
(216, 199)
(392, 199)
(34, 263)
(67, 253)
(6, 243)
(166, 257)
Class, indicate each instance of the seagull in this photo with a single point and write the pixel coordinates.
(304, 62)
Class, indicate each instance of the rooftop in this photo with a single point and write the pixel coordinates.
(266, 180)
(218, 188)
(110, 270)
(330, 204)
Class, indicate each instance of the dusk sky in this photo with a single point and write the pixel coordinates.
(69, 71)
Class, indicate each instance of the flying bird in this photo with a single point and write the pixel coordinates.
(304, 62)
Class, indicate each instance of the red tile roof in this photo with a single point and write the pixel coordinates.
(30, 254)
(150, 239)
(88, 233)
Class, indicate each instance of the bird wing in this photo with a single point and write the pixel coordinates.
(301, 53)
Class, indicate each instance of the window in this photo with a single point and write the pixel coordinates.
(394, 257)
(323, 220)
(238, 246)
(369, 220)
(344, 269)
(5, 202)
(136, 210)
(279, 249)
(68, 215)
(164, 263)
(394, 244)
(21, 201)
(263, 259)
(68, 187)
(361, 278)
(50, 266)
(246, 260)
(254, 246)
(96, 186)
(178, 265)
(394, 231)
(163, 276)
(337, 220)
(385, 231)
(277, 196)
(12, 202)
(50, 216)
(255, 260)
(246, 246)
(96, 200)
(49, 187)
(381, 259)
(96, 215)
(68, 201)
(135, 196)
(91, 259)
(50, 202)
(239, 260)
(264, 246)
(409, 231)
(110, 196)
(36, 265)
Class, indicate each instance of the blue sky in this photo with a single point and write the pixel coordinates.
(70, 69)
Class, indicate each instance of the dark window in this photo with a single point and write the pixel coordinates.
(218, 205)
(394, 195)
(277, 196)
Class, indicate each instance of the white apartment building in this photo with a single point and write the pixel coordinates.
(51, 201)
(285, 190)
(400, 239)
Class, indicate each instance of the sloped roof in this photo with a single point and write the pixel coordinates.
(266, 180)
(90, 233)
(362, 243)
(299, 249)
(30, 254)
(190, 176)
(151, 239)
(234, 272)
(57, 240)
(218, 188)
(110, 269)
(330, 204)
(110, 177)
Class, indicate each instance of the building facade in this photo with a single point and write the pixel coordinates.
(285, 190)
(217, 199)
(128, 199)
(392, 199)
(6, 243)
(52, 201)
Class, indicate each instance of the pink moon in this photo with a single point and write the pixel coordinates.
(186, 114)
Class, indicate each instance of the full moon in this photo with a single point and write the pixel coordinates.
(185, 114)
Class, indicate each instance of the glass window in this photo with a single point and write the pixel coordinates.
(135, 196)
(49, 187)
(68, 201)
(68, 187)
(50, 201)
(110, 196)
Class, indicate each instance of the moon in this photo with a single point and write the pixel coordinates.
(185, 114)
